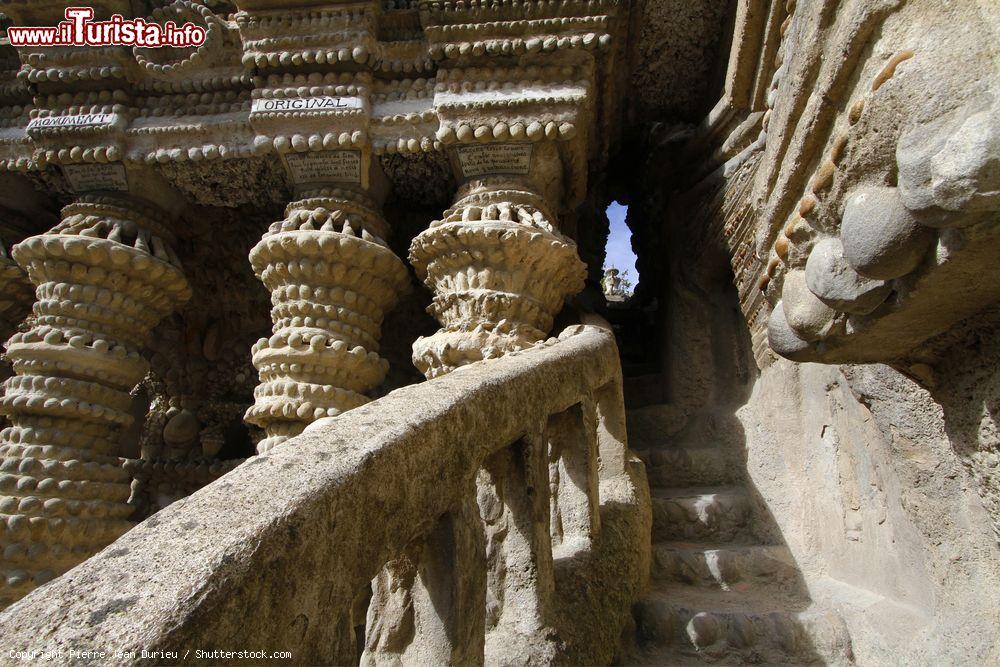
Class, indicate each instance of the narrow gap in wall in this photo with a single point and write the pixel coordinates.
(620, 273)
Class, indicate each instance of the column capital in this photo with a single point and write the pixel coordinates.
(500, 272)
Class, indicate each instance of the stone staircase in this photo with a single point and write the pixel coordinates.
(723, 588)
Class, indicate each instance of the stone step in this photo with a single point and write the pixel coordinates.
(675, 657)
(709, 514)
(662, 657)
(729, 566)
(767, 625)
(692, 466)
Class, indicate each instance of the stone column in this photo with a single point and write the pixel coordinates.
(499, 270)
(332, 277)
(104, 277)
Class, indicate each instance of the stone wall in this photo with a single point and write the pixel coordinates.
(883, 490)
(871, 495)
(879, 469)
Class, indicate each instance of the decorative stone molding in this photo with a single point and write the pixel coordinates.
(65, 67)
(500, 271)
(413, 79)
(861, 218)
(866, 291)
(105, 276)
(219, 47)
(279, 34)
(332, 277)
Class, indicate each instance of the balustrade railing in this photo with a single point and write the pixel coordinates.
(492, 515)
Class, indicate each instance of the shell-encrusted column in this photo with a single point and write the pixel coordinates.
(104, 277)
(500, 272)
(332, 278)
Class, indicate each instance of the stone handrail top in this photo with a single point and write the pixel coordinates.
(272, 548)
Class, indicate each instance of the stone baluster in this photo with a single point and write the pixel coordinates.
(332, 277)
(499, 270)
(428, 604)
(574, 477)
(104, 277)
(514, 504)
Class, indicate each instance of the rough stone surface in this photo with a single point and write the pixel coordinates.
(676, 47)
(880, 237)
(966, 173)
(805, 313)
(952, 164)
(783, 339)
(862, 473)
(830, 277)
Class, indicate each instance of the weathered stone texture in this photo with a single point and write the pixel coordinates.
(332, 277)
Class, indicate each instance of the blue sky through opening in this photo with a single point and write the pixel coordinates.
(619, 248)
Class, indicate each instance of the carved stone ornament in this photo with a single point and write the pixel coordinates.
(500, 271)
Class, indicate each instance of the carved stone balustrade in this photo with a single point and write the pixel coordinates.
(105, 276)
(332, 277)
(499, 270)
(380, 481)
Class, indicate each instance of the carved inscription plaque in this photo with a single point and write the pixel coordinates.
(289, 104)
(325, 166)
(495, 159)
(92, 177)
(79, 120)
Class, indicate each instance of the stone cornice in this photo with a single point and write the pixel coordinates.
(471, 73)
